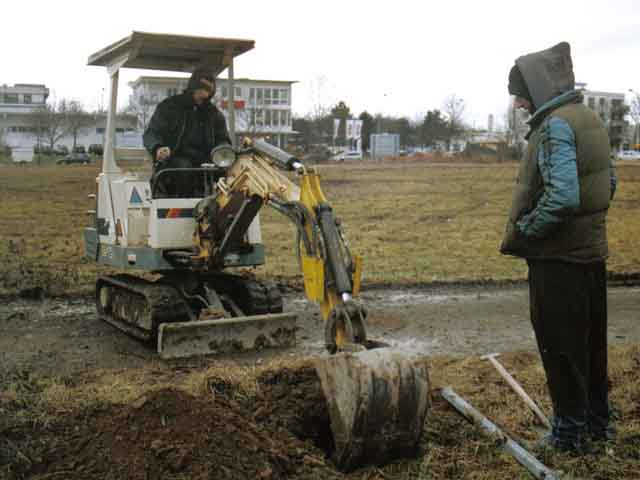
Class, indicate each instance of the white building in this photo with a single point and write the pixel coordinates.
(22, 97)
(601, 102)
(19, 132)
(607, 105)
(263, 107)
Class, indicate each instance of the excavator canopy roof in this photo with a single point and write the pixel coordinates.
(178, 53)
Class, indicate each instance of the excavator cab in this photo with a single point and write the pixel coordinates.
(377, 397)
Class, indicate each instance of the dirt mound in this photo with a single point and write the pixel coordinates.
(173, 435)
(293, 400)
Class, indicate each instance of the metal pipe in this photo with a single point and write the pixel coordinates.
(524, 458)
(518, 389)
(232, 105)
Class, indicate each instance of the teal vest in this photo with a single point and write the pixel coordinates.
(582, 237)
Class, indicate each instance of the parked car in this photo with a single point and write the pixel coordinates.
(75, 159)
(96, 149)
(348, 155)
(628, 155)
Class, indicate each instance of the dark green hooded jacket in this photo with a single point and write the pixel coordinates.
(566, 180)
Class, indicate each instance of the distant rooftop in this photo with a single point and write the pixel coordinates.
(583, 86)
(40, 86)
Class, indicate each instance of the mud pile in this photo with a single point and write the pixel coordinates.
(173, 435)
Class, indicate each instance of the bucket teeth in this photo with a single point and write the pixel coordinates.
(377, 403)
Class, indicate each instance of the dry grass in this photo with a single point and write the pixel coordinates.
(413, 222)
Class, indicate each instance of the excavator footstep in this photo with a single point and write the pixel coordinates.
(377, 401)
(225, 336)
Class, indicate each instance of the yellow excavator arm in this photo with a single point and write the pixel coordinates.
(376, 397)
(331, 273)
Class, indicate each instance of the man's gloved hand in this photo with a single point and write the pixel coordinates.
(162, 154)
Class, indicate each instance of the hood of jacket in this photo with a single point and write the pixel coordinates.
(548, 73)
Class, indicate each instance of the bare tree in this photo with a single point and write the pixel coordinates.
(142, 107)
(319, 93)
(76, 118)
(50, 122)
(453, 107)
(634, 112)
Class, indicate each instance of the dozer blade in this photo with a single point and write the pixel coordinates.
(227, 335)
(377, 402)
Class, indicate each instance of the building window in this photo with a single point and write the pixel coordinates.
(224, 92)
(284, 96)
(267, 118)
(267, 96)
(603, 104)
(238, 92)
(276, 96)
(259, 96)
(10, 98)
(592, 102)
(171, 92)
(616, 112)
(100, 130)
(26, 98)
(252, 96)
(276, 118)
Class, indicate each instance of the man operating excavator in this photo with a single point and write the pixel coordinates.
(182, 132)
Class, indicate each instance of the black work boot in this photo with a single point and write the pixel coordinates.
(607, 433)
(550, 444)
(601, 427)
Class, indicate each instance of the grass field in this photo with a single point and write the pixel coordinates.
(412, 222)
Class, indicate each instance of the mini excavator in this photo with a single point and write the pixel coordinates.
(189, 304)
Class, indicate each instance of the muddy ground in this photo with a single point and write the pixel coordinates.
(262, 415)
(64, 337)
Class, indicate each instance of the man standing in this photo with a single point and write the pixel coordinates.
(557, 223)
(182, 132)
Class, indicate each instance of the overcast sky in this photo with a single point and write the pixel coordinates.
(398, 57)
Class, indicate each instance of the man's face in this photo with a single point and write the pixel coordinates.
(204, 94)
(201, 96)
(519, 102)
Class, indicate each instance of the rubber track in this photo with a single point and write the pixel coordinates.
(163, 304)
(251, 296)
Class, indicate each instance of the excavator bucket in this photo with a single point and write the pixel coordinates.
(377, 401)
(226, 335)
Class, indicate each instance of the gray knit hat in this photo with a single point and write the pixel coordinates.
(199, 74)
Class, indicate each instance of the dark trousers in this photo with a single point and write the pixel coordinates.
(568, 304)
(178, 184)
